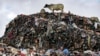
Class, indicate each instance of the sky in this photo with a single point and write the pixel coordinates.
(9, 9)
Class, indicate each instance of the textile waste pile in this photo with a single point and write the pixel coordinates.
(45, 29)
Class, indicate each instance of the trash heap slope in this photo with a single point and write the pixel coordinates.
(53, 29)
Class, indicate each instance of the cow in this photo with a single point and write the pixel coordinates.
(53, 7)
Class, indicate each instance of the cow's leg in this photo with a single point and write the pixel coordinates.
(62, 10)
(53, 10)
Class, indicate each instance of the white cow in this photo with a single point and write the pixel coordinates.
(53, 7)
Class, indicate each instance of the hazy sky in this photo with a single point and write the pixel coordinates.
(10, 8)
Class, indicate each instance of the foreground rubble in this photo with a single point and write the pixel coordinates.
(44, 30)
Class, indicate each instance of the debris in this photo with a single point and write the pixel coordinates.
(52, 29)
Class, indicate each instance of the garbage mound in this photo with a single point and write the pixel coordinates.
(44, 30)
